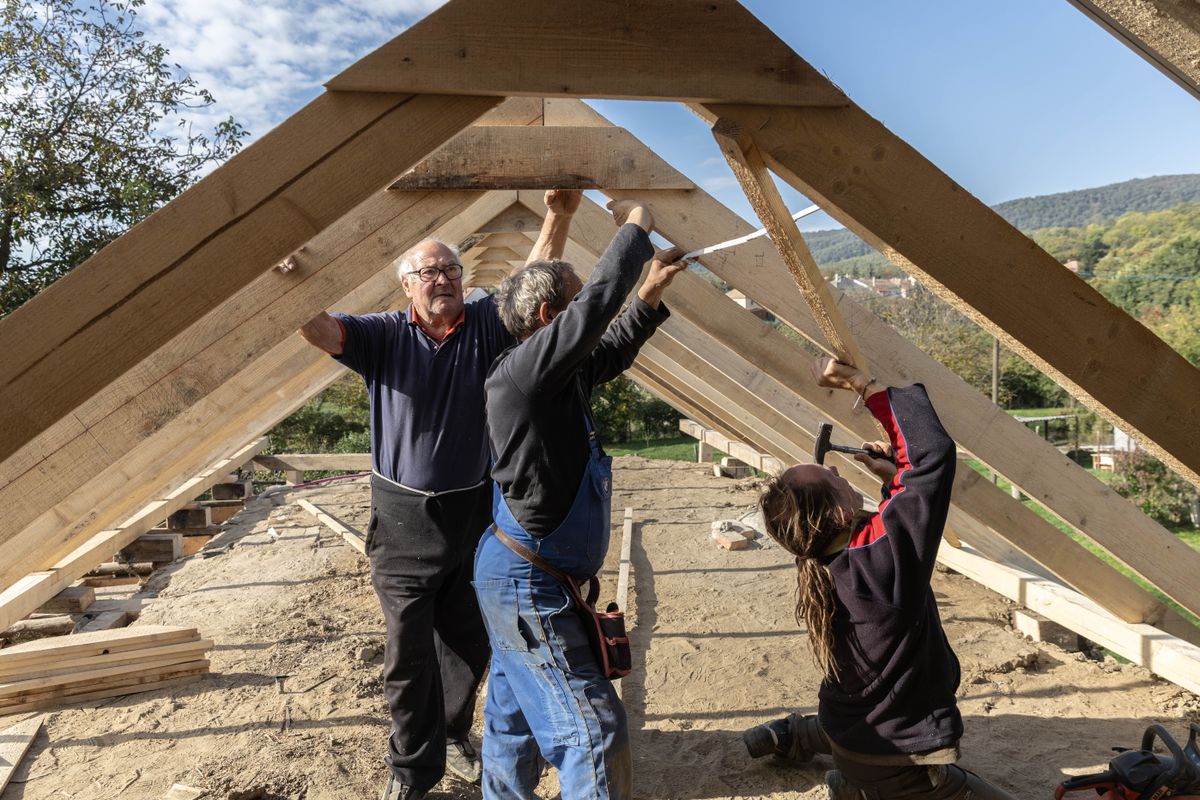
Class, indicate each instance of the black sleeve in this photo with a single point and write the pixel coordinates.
(548, 359)
(621, 342)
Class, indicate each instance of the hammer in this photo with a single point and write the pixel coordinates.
(823, 446)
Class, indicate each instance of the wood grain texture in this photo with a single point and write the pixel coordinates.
(769, 358)
(593, 48)
(119, 306)
(751, 172)
(890, 195)
(536, 157)
(15, 741)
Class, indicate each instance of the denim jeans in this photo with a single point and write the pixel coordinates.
(545, 689)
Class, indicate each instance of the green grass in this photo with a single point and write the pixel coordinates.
(679, 448)
(1186, 534)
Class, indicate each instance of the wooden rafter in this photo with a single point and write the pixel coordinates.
(747, 164)
(533, 157)
(978, 425)
(593, 48)
(123, 303)
(886, 192)
(775, 356)
(1164, 32)
(186, 369)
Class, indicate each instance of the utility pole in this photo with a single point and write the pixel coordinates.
(995, 384)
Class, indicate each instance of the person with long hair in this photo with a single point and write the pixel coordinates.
(886, 710)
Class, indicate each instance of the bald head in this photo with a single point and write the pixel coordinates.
(439, 300)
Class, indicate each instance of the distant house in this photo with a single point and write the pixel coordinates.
(748, 304)
(884, 287)
(1072, 265)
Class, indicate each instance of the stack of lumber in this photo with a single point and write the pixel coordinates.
(91, 666)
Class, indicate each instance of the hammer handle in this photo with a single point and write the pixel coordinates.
(838, 448)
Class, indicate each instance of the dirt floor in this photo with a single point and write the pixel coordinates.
(717, 650)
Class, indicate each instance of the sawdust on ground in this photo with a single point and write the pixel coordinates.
(717, 650)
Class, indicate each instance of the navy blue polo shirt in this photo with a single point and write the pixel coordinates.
(428, 430)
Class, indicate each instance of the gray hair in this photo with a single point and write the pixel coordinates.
(522, 293)
(408, 262)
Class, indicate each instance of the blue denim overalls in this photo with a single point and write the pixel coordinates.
(545, 689)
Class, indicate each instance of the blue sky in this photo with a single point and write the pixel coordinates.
(1010, 99)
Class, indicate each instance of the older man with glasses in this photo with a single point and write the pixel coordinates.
(424, 370)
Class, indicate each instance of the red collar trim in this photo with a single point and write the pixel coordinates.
(415, 319)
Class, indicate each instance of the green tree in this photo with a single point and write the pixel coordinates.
(93, 136)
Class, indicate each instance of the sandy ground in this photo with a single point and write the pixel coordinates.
(717, 650)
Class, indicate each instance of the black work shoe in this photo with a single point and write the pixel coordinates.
(395, 790)
(836, 787)
(463, 760)
(785, 739)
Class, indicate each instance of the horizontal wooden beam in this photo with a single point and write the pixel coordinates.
(284, 462)
(152, 283)
(535, 157)
(868, 179)
(25, 596)
(1167, 656)
(592, 48)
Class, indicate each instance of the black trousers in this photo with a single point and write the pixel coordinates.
(421, 551)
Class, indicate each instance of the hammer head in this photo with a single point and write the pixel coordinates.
(822, 445)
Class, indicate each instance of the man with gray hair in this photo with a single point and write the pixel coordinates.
(424, 370)
(546, 690)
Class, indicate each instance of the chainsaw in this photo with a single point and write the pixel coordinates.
(1143, 775)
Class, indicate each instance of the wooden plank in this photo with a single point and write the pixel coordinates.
(225, 343)
(516, 241)
(15, 691)
(582, 48)
(1168, 37)
(765, 352)
(123, 303)
(87, 645)
(154, 547)
(515, 111)
(499, 255)
(149, 683)
(71, 600)
(182, 445)
(622, 598)
(751, 172)
(186, 651)
(694, 218)
(542, 158)
(15, 742)
(1171, 658)
(106, 621)
(29, 592)
(282, 462)
(514, 219)
(866, 178)
(353, 537)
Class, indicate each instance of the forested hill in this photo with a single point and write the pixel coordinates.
(1066, 210)
(1102, 204)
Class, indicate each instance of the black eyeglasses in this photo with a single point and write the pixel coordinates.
(429, 274)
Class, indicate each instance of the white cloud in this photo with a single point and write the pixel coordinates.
(719, 183)
(262, 61)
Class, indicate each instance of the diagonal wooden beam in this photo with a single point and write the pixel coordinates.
(592, 48)
(122, 478)
(889, 194)
(152, 283)
(747, 165)
(1166, 33)
(695, 300)
(189, 367)
(534, 157)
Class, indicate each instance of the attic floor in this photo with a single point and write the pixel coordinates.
(717, 650)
